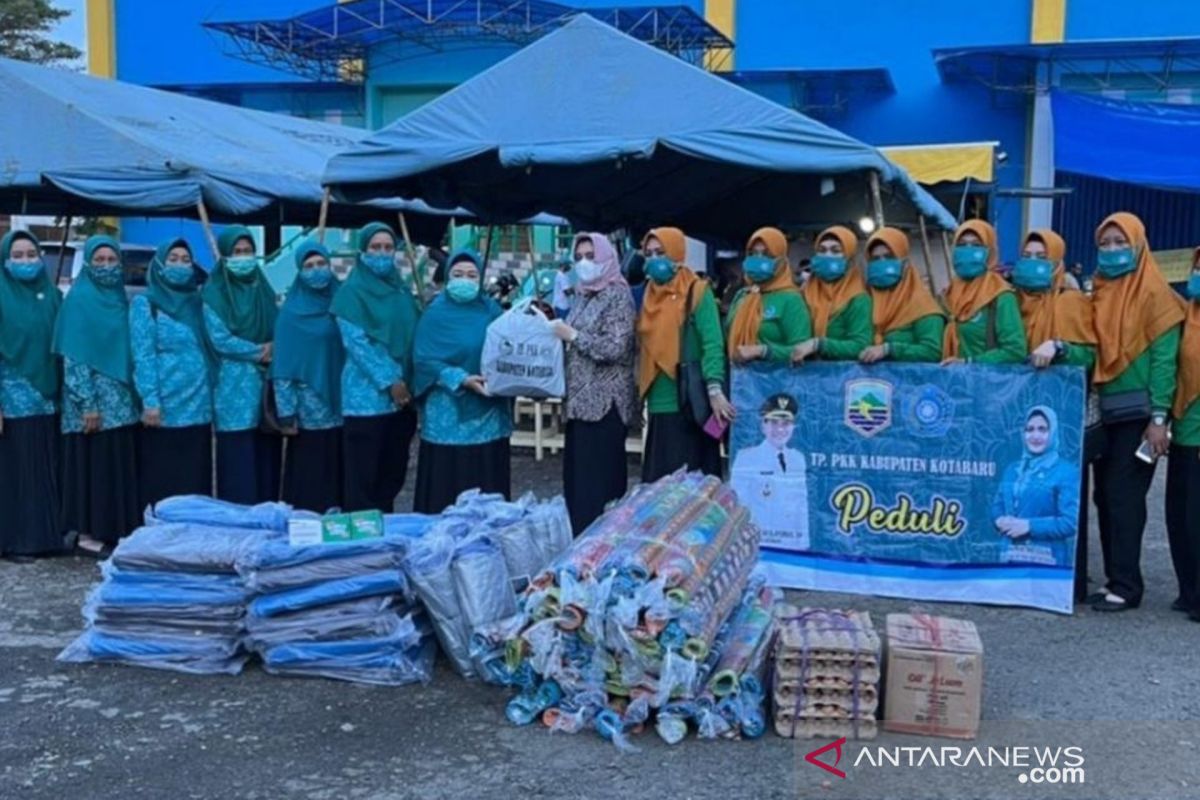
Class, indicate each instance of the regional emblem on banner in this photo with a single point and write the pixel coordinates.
(868, 406)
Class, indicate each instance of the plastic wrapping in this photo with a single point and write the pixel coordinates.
(367, 585)
(186, 547)
(336, 567)
(428, 567)
(481, 584)
(196, 655)
(380, 664)
(202, 510)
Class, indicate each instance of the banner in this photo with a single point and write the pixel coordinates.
(956, 483)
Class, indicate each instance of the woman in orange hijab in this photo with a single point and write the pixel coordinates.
(1183, 466)
(768, 316)
(908, 323)
(837, 299)
(673, 439)
(1136, 320)
(985, 322)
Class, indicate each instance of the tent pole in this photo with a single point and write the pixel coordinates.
(948, 253)
(876, 200)
(202, 210)
(324, 217)
(62, 249)
(412, 258)
(926, 250)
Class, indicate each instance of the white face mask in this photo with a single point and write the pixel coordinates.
(588, 271)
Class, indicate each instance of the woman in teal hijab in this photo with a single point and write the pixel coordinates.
(29, 389)
(307, 371)
(376, 315)
(464, 430)
(239, 316)
(172, 373)
(99, 413)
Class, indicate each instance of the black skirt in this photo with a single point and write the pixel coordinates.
(312, 474)
(175, 461)
(29, 487)
(100, 484)
(674, 441)
(595, 467)
(445, 471)
(376, 459)
(248, 464)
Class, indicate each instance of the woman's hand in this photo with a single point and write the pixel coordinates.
(1044, 355)
(152, 418)
(1013, 527)
(91, 422)
(268, 352)
(949, 362)
(749, 352)
(1156, 435)
(721, 407)
(562, 331)
(804, 350)
(400, 394)
(876, 352)
(476, 384)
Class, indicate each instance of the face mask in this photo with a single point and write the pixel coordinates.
(970, 261)
(1115, 263)
(380, 264)
(241, 266)
(177, 274)
(1193, 287)
(462, 290)
(660, 269)
(829, 268)
(759, 268)
(1033, 274)
(884, 273)
(588, 271)
(24, 271)
(107, 276)
(317, 277)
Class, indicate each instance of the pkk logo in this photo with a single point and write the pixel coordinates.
(868, 406)
(813, 757)
(929, 411)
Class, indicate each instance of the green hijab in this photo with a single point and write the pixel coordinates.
(93, 326)
(180, 303)
(383, 307)
(27, 314)
(246, 304)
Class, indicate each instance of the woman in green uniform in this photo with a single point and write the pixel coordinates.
(768, 316)
(1183, 467)
(908, 323)
(837, 300)
(985, 321)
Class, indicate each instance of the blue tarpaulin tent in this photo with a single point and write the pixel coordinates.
(87, 146)
(590, 124)
(1149, 144)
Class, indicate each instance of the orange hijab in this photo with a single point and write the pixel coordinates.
(827, 299)
(1133, 310)
(662, 311)
(907, 301)
(749, 316)
(1187, 386)
(1059, 312)
(965, 299)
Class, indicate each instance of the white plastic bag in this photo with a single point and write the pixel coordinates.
(521, 357)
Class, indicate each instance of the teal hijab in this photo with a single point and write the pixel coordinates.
(450, 333)
(27, 317)
(93, 326)
(308, 347)
(246, 304)
(1032, 463)
(383, 307)
(180, 303)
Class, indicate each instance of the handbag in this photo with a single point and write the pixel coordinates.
(268, 418)
(1129, 406)
(689, 380)
(1094, 436)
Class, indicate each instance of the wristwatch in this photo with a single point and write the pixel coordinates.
(1059, 348)
(1158, 418)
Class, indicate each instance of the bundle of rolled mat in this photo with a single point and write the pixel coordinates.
(650, 614)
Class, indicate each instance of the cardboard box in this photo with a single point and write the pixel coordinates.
(934, 676)
(366, 525)
(336, 528)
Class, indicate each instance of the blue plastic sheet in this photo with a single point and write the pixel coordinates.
(376, 583)
(196, 655)
(221, 514)
(181, 547)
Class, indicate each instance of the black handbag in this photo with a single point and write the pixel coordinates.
(268, 419)
(1125, 407)
(689, 380)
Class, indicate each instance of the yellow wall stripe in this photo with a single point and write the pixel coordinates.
(1049, 21)
(722, 15)
(101, 45)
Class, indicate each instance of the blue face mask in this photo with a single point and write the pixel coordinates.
(379, 263)
(462, 290)
(884, 273)
(1033, 274)
(1193, 287)
(970, 261)
(829, 268)
(241, 266)
(24, 271)
(759, 268)
(107, 276)
(178, 274)
(1115, 263)
(317, 277)
(660, 269)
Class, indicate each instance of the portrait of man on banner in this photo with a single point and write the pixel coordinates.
(770, 477)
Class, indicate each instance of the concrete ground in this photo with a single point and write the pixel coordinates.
(1122, 687)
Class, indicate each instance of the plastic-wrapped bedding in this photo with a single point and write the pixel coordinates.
(375, 583)
(481, 584)
(201, 656)
(148, 593)
(381, 667)
(406, 526)
(321, 570)
(277, 553)
(200, 510)
(370, 617)
(185, 547)
(428, 567)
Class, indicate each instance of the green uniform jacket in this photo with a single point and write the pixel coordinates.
(1010, 334)
(850, 331)
(920, 341)
(786, 322)
(663, 396)
(1152, 371)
